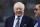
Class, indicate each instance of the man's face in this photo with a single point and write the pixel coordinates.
(18, 9)
(37, 11)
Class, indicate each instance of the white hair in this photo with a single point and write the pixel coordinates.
(19, 3)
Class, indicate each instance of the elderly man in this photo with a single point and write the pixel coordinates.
(37, 13)
(19, 19)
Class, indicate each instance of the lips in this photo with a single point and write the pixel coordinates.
(19, 12)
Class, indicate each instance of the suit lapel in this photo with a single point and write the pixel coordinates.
(22, 22)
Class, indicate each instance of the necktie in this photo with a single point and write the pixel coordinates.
(17, 24)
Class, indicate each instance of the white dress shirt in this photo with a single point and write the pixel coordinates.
(15, 20)
(36, 25)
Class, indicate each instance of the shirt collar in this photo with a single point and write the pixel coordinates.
(19, 17)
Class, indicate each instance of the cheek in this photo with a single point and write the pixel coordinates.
(22, 10)
(37, 13)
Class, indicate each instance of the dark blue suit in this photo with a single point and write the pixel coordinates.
(39, 22)
(26, 21)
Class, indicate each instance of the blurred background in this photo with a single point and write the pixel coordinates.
(6, 9)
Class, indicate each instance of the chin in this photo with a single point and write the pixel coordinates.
(19, 15)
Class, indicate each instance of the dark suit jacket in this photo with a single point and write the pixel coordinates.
(39, 22)
(26, 22)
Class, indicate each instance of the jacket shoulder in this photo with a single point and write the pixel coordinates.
(10, 18)
(28, 17)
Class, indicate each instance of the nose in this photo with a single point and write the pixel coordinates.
(19, 10)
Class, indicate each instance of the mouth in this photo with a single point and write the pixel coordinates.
(19, 12)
